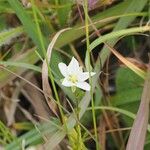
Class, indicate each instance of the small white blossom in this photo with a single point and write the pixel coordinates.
(74, 75)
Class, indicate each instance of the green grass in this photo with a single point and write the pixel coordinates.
(24, 47)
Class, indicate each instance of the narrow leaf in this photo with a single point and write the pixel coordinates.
(130, 65)
(7, 35)
(138, 132)
(45, 81)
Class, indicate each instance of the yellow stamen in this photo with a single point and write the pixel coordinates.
(73, 78)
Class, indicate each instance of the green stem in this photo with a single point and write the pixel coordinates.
(90, 80)
(49, 68)
(79, 142)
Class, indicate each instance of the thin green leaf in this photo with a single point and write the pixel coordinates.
(130, 6)
(28, 57)
(7, 35)
(21, 64)
(118, 34)
(28, 23)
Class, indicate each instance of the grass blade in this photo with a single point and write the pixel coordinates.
(7, 35)
(130, 65)
(130, 7)
(45, 73)
(27, 22)
(21, 64)
(138, 131)
(118, 34)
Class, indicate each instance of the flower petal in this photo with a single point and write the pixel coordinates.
(84, 76)
(92, 74)
(83, 85)
(67, 83)
(63, 69)
(73, 66)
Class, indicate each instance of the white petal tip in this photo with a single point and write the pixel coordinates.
(84, 86)
(93, 73)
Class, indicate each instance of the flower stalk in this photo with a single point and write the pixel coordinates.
(85, 7)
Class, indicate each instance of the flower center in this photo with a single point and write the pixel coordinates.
(73, 78)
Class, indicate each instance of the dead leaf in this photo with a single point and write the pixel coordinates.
(45, 70)
(138, 132)
(35, 97)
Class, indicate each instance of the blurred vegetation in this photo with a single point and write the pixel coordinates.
(109, 37)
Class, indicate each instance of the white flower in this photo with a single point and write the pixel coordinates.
(74, 75)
